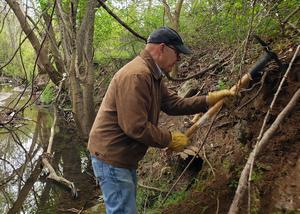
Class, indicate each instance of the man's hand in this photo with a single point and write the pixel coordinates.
(179, 141)
(215, 96)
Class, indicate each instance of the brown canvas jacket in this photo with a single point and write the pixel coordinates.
(126, 123)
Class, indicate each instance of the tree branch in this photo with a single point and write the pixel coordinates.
(3, 21)
(167, 10)
(25, 190)
(150, 188)
(121, 22)
(51, 174)
(234, 208)
(200, 73)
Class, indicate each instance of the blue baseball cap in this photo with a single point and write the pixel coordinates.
(169, 37)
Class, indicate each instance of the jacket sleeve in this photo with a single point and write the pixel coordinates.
(172, 104)
(132, 108)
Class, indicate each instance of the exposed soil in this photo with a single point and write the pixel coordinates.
(275, 187)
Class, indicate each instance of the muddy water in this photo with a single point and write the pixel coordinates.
(22, 143)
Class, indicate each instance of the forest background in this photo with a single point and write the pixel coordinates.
(74, 47)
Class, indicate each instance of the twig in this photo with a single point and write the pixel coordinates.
(290, 15)
(209, 164)
(16, 171)
(23, 193)
(277, 92)
(151, 188)
(21, 43)
(34, 67)
(3, 21)
(218, 204)
(257, 93)
(246, 41)
(200, 73)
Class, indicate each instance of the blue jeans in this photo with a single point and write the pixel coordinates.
(118, 186)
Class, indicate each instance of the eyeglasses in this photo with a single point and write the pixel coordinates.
(175, 50)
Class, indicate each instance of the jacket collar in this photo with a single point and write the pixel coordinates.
(155, 70)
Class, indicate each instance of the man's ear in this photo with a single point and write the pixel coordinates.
(162, 47)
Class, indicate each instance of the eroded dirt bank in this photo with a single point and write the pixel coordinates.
(275, 182)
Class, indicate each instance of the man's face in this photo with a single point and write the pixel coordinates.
(168, 57)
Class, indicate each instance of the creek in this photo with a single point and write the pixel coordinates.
(22, 142)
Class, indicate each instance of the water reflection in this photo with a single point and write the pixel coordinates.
(21, 145)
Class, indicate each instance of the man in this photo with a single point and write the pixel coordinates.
(126, 123)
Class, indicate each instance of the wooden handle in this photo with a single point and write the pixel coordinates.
(242, 83)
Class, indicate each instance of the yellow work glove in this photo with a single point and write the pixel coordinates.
(215, 96)
(179, 141)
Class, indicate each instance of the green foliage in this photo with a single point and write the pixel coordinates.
(112, 41)
(4, 45)
(255, 201)
(257, 175)
(201, 22)
(233, 184)
(228, 22)
(176, 197)
(222, 84)
(81, 9)
(48, 94)
(226, 164)
(44, 4)
(146, 199)
(8, 45)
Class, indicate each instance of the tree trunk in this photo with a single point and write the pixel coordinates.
(26, 189)
(42, 53)
(87, 30)
(174, 23)
(75, 57)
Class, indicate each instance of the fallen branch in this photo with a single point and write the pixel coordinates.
(200, 73)
(259, 146)
(262, 140)
(47, 168)
(151, 188)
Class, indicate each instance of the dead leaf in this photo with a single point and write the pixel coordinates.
(183, 155)
(189, 152)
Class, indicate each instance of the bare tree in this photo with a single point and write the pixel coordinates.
(174, 22)
(173, 16)
(65, 49)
